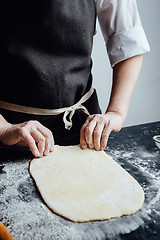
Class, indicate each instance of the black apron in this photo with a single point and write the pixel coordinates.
(46, 57)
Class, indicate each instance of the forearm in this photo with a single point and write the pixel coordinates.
(125, 75)
(97, 128)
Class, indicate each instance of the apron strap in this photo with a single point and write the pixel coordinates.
(68, 111)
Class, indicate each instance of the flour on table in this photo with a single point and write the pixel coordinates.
(84, 185)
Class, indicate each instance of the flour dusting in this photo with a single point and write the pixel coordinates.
(27, 217)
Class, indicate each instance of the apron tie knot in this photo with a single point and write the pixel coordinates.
(70, 112)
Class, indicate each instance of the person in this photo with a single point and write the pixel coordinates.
(46, 93)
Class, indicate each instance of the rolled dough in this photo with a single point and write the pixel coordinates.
(84, 185)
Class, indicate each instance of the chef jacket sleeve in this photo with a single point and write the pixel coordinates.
(122, 29)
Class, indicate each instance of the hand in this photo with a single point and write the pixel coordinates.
(31, 133)
(97, 128)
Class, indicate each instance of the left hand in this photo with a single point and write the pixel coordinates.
(97, 128)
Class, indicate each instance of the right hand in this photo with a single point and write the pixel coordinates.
(31, 133)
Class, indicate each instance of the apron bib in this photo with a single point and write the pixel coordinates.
(46, 51)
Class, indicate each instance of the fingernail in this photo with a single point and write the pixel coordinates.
(43, 151)
(83, 146)
(91, 146)
(102, 148)
(36, 153)
(46, 153)
(52, 148)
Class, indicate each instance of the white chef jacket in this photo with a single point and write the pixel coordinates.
(122, 29)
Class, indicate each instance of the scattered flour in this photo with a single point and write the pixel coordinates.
(27, 217)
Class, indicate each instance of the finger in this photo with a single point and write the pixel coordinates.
(86, 123)
(89, 133)
(49, 140)
(39, 139)
(97, 136)
(46, 133)
(83, 142)
(52, 143)
(105, 135)
(25, 136)
(52, 146)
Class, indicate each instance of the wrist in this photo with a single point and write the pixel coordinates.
(119, 111)
(116, 118)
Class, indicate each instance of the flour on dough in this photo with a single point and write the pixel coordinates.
(84, 185)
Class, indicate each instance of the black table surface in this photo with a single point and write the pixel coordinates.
(26, 216)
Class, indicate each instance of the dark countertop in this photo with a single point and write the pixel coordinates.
(27, 217)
